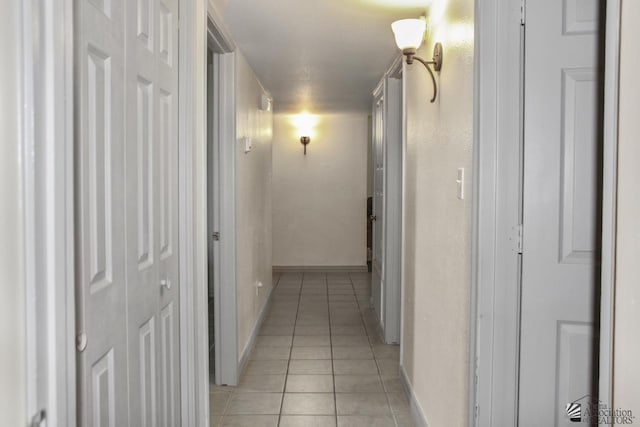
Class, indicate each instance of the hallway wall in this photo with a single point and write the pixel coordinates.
(253, 199)
(320, 200)
(437, 246)
(626, 378)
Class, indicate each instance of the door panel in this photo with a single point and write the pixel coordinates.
(128, 212)
(561, 215)
(101, 284)
(169, 392)
(141, 184)
(151, 163)
(167, 206)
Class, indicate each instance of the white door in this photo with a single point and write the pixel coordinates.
(126, 55)
(378, 209)
(561, 215)
(101, 285)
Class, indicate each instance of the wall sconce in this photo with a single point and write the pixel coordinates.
(409, 34)
(305, 140)
(305, 125)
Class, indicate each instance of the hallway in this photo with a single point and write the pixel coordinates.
(318, 361)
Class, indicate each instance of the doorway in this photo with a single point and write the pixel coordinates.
(219, 211)
(386, 218)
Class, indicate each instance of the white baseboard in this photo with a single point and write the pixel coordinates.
(320, 268)
(244, 359)
(417, 414)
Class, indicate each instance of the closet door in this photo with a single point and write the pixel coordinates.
(127, 151)
(101, 290)
(562, 200)
(152, 211)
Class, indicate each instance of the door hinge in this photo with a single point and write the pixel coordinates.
(523, 12)
(215, 236)
(519, 233)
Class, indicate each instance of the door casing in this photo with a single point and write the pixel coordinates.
(225, 317)
(46, 142)
(388, 298)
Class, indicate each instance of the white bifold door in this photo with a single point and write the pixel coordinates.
(561, 211)
(126, 110)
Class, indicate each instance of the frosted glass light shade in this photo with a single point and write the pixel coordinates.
(409, 33)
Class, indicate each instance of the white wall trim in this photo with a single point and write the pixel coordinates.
(392, 204)
(320, 268)
(192, 194)
(244, 358)
(495, 273)
(228, 263)
(225, 264)
(609, 190)
(47, 95)
(417, 413)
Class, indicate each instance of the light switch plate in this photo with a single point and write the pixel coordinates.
(248, 144)
(460, 182)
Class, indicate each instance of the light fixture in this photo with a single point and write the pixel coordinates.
(409, 34)
(305, 125)
(305, 140)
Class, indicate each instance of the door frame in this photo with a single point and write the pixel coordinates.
(225, 306)
(609, 190)
(391, 239)
(47, 158)
(495, 273)
(393, 200)
(194, 360)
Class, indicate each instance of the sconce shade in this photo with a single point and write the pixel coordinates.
(409, 33)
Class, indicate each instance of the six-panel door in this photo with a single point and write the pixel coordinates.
(561, 210)
(127, 158)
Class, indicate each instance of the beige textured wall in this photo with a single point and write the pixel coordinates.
(437, 224)
(253, 203)
(626, 392)
(320, 200)
(12, 298)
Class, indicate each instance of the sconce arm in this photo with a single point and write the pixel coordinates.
(410, 53)
(433, 79)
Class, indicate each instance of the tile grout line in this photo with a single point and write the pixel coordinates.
(375, 360)
(293, 336)
(333, 370)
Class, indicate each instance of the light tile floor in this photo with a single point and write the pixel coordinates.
(318, 361)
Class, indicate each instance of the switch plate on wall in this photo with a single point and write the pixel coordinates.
(460, 182)
(248, 144)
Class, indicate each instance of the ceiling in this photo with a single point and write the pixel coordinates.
(317, 55)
